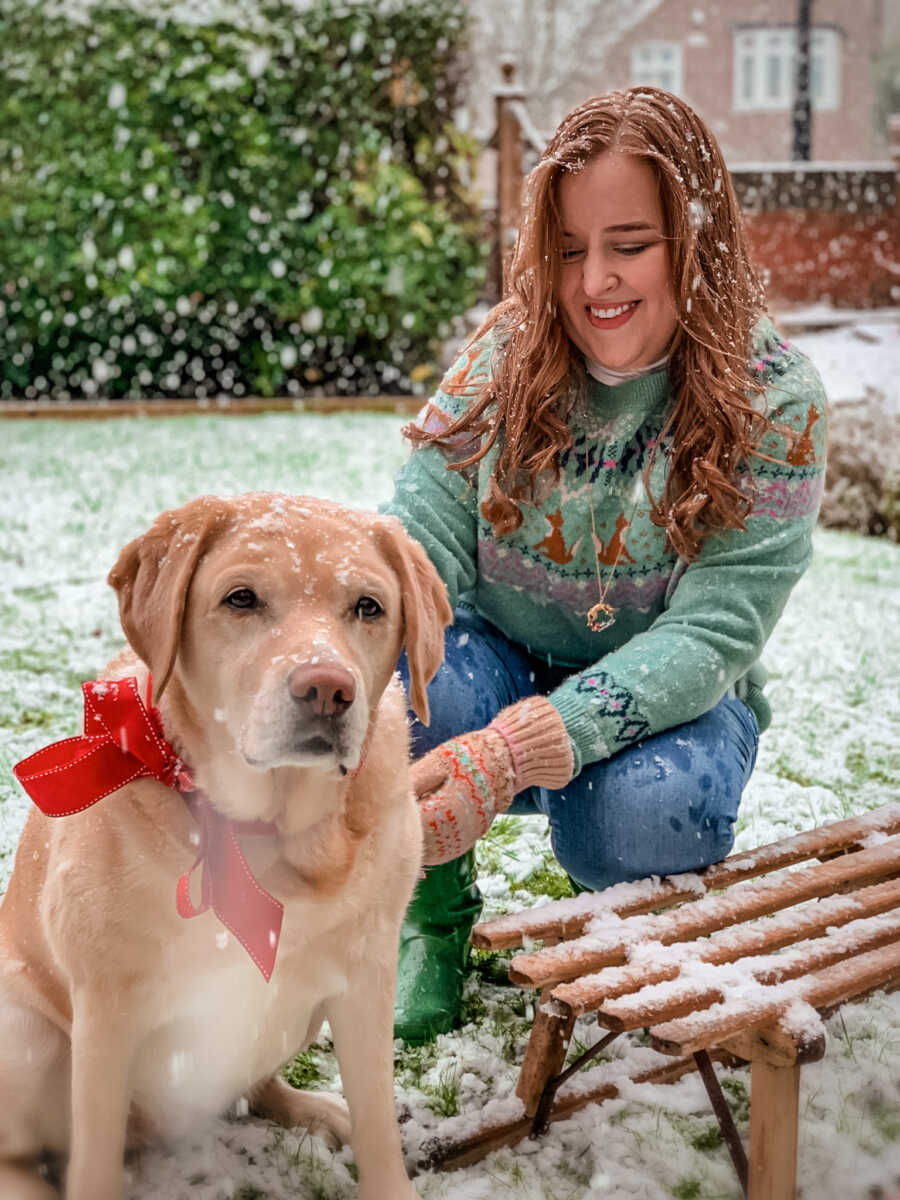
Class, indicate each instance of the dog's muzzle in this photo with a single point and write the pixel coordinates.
(316, 716)
(323, 694)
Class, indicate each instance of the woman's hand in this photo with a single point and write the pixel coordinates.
(465, 782)
(461, 786)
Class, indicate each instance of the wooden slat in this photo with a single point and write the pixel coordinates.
(701, 917)
(833, 985)
(560, 920)
(670, 1000)
(766, 935)
(569, 918)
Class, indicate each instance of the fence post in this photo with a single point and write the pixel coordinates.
(509, 166)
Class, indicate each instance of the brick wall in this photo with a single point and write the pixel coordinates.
(824, 232)
(819, 232)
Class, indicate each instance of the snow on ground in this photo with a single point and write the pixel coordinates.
(853, 355)
(75, 492)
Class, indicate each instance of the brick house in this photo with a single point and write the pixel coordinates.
(732, 60)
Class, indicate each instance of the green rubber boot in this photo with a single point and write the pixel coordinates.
(434, 951)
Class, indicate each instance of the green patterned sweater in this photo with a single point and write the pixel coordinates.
(684, 634)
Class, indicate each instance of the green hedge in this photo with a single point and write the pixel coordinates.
(254, 207)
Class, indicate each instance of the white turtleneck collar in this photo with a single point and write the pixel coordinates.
(614, 378)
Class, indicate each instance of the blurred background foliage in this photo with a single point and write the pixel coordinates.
(265, 206)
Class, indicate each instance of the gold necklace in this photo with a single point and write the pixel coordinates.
(602, 614)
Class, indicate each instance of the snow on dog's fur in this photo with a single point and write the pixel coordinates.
(272, 626)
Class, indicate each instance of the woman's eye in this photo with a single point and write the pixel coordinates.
(242, 598)
(570, 254)
(367, 608)
(632, 250)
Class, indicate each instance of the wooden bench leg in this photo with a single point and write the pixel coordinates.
(545, 1053)
(774, 1110)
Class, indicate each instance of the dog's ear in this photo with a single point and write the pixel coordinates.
(152, 578)
(426, 610)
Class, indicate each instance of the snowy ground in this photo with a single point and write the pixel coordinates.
(75, 492)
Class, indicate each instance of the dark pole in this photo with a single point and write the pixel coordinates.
(802, 99)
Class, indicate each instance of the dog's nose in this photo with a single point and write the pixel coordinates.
(329, 690)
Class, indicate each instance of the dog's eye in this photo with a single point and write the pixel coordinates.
(242, 598)
(367, 608)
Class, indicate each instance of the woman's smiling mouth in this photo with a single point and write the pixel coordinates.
(612, 317)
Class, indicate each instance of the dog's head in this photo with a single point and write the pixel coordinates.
(281, 619)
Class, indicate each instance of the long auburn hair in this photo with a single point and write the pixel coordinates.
(713, 426)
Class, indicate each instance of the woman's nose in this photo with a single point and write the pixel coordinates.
(598, 275)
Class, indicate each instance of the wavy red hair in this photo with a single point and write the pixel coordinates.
(713, 426)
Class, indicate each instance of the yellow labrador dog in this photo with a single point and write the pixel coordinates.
(272, 626)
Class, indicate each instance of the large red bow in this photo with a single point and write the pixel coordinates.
(123, 740)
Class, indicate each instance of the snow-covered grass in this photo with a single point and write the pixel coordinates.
(75, 492)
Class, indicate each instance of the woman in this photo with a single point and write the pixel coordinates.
(618, 483)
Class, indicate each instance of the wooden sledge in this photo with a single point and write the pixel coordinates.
(738, 962)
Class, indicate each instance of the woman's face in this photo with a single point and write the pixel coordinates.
(615, 289)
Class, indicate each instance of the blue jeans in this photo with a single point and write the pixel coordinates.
(661, 806)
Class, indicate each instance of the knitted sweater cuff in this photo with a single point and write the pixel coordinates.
(538, 743)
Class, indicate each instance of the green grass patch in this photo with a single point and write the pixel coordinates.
(510, 1025)
(491, 966)
(547, 880)
(709, 1138)
(33, 718)
(304, 1071)
(686, 1189)
(886, 1120)
(872, 766)
(411, 1063)
(498, 846)
(786, 770)
(740, 1098)
(443, 1096)
(474, 1009)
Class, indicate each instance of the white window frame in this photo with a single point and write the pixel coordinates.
(764, 57)
(658, 63)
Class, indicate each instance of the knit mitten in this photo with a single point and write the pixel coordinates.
(463, 783)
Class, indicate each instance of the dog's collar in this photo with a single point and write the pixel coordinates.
(123, 740)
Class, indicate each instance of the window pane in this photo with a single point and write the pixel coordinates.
(747, 79)
(773, 77)
(816, 78)
(658, 64)
(765, 64)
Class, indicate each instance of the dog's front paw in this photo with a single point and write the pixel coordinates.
(326, 1116)
(319, 1112)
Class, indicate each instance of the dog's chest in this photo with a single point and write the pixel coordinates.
(224, 1029)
